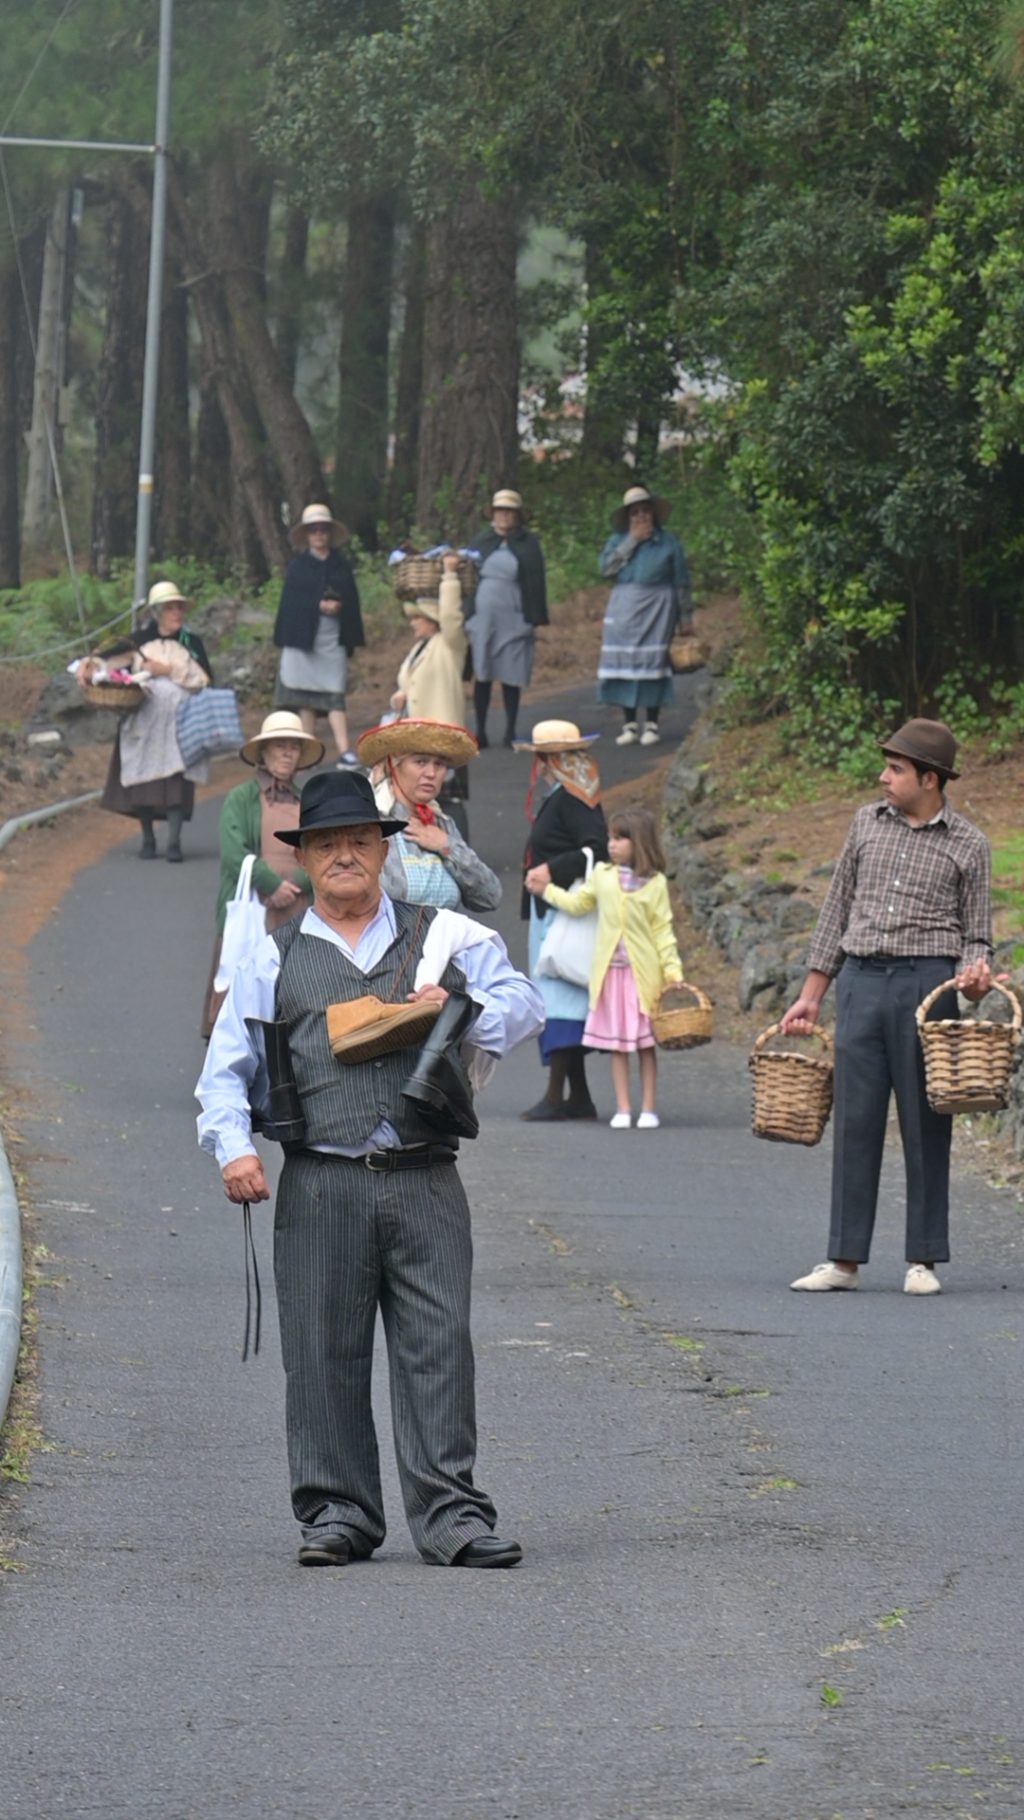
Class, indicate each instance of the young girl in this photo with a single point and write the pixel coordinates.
(635, 955)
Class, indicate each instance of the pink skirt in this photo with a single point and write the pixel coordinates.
(617, 1021)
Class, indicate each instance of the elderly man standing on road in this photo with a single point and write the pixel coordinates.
(370, 1210)
(909, 906)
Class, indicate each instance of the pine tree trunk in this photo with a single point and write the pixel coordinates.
(119, 387)
(468, 432)
(604, 425)
(249, 465)
(362, 438)
(401, 491)
(291, 291)
(210, 514)
(243, 287)
(173, 439)
(35, 525)
(10, 530)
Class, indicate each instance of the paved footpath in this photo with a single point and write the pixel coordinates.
(772, 1542)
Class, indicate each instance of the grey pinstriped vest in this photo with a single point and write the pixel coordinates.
(344, 1101)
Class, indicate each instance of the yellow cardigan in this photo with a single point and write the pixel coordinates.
(642, 919)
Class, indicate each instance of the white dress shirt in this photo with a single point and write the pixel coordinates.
(234, 1078)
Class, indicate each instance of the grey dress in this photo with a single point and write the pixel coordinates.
(500, 637)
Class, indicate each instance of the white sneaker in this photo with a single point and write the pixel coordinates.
(921, 1280)
(629, 735)
(828, 1276)
(648, 1121)
(650, 736)
(621, 1121)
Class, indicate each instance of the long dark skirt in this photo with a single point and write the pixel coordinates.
(153, 798)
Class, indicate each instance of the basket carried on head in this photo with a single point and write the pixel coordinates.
(792, 1093)
(122, 697)
(967, 1061)
(421, 575)
(682, 1025)
(685, 653)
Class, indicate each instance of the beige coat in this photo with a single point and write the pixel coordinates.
(431, 676)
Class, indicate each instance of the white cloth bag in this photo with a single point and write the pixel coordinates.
(567, 951)
(245, 925)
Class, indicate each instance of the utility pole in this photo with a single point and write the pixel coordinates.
(154, 308)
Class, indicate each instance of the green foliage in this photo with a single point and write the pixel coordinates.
(877, 437)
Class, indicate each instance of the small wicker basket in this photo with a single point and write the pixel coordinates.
(968, 1061)
(421, 575)
(685, 653)
(122, 697)
(792, 1093)
(682, 1026)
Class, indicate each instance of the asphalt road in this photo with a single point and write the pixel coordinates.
(772, 1541)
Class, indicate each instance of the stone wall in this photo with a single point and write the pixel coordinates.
(761, 925)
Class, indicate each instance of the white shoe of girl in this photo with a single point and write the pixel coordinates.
(621, 1121)
(648, 1121)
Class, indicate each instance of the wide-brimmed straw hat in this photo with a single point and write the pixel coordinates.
(164, 594)
(317, 515)
(337, 799)
(556, 736)
(400, 738)
(282, 725)
(927, 742)
(639, 496)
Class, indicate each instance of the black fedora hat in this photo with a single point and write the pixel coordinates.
(337, 799)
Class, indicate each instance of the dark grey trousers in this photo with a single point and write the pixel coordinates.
(348, 1240)
(878, 1052)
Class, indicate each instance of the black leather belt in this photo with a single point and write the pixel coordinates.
(423, 1157)
(885, 963)
(384, 1162)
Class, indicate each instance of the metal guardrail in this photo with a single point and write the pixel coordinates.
(10, 1282)
(10, 828)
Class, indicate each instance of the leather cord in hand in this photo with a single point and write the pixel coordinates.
(250, 1251)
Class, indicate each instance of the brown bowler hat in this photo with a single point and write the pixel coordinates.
(927, 742)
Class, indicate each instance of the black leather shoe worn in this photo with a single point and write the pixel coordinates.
(326, 1551)
(543, 1112)
(488, 1551)
(580, 1109)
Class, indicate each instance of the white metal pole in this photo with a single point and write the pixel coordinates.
(154, 307)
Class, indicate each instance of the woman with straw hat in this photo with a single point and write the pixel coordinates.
(511, 600)
(147, 778)
(563, 805)
(428, 862)
(649, 601)
(251, 817)
(318, 627)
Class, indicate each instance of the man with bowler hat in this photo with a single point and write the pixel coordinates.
(370, 1209)
(909, 906)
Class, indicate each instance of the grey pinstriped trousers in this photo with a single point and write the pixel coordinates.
(348, 1240)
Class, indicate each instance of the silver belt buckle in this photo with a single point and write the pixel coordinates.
(379, 1161)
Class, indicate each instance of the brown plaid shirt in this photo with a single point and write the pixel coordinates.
(900, 890)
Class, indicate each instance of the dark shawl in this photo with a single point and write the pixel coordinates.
(305, 583)
(563, 827)
(530, 557)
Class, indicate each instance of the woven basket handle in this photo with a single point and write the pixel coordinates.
(701, 998)
(926, 1003)
(773, 1030)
